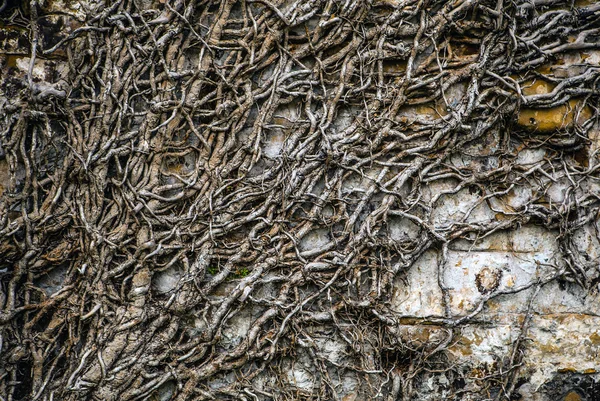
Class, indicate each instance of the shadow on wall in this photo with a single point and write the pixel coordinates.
(566, 386)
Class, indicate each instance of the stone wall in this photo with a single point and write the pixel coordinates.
(493, 280)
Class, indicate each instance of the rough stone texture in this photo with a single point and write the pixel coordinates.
(497, 275)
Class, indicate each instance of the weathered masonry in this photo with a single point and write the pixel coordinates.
(299, 200)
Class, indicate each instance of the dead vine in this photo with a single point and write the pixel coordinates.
(257, 151)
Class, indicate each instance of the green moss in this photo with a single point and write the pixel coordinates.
(213, 269)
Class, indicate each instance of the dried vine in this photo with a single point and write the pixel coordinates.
(257, 151)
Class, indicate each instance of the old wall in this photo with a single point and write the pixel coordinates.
(299, 200)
